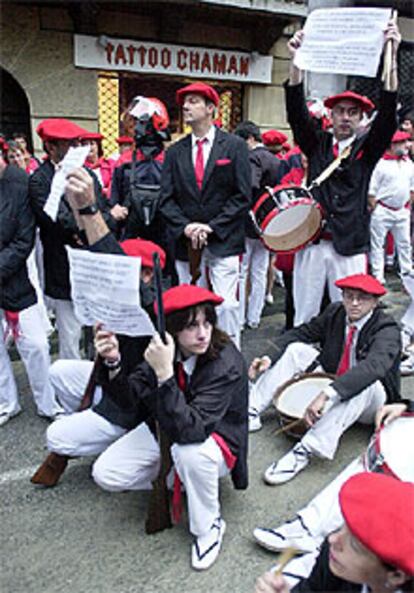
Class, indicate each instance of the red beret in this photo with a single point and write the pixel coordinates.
(125, 140)
(363, 102)
(59, 129)
(400, 136)
(273, 137)
(187, 295)
(92, 136)
(199, 88)
(144, 250)
(379, 511)
(363, 282)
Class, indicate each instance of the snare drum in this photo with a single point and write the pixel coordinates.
(390, 450)
(293, 397)
(287, 217)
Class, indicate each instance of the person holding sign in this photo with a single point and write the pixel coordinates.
(195, 386)
(58, 136)
(344, 242)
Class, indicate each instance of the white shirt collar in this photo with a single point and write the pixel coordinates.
(209, 137)
(188, 364)
(342, 144)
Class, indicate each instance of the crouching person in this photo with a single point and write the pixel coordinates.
(195, 386)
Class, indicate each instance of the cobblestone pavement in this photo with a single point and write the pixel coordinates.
(76, 538)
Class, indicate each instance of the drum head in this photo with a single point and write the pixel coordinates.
(293, 227)
(396, 442)
(292, 398)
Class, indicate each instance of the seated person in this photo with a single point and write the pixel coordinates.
(389, 452)
(361, 344)
(372, 551)
(201, 405)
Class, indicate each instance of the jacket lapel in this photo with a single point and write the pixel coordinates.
(187, 167)
(214, 155)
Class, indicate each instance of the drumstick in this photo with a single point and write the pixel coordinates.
(288, 426)
(284, 558)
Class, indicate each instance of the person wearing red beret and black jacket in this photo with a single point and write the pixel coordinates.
(54, 237)
(344, 241)
(195, 386)
(361, 345)
(205, 195)
(18, 301)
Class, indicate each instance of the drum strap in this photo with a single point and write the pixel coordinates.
(313, 365)
(326, 173)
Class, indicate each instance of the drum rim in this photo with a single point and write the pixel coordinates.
(299, 377)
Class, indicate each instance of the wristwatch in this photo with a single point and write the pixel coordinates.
(86, 210)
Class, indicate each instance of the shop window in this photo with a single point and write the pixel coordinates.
(108, 105)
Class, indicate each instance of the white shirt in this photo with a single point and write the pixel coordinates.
(391, 182)
(342, 144)
(207, 146)
(330, 391)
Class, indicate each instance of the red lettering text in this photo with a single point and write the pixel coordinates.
(109, 48)
(152, 57)
(120, 55)
(244, 66)
(219, 64)
(182, 59)
(166, 58)
(131, 51)
(205, 63)
(141, 51)
(194, 61)
(232, 67)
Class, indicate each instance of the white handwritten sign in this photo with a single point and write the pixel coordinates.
(105, 288)
(343, 41)
(74, 158)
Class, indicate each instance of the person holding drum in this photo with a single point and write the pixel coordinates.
(389, 452)
(372, 551)
(344, 242)
(360, 344)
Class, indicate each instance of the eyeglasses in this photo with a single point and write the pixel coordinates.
(361, 297)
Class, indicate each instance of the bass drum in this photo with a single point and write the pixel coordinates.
(287, 218)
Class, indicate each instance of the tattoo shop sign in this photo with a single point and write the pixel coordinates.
(107, 53)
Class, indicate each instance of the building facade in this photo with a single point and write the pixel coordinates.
(86, 60)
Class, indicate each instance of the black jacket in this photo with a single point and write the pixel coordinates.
(222, 201)
(343, 196)
(17, 233)
(378, 350)
(215, 401)
(264, 166)
(55, 235)
(322, 579)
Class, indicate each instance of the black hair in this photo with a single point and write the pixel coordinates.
(179, 320)
(245, 129)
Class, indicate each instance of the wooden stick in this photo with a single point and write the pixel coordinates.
(386, 67)
(284, 558)
(288, 426)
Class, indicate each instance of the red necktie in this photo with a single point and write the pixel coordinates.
(199, 162)
(181, 376)
(345, 362)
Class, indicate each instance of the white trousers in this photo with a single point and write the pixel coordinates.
(322, 439)
(130, 461)
(69, 379)
(33, 347)
(398, 222)
(68, 327)
(223, 275)
(316, 266)
(255, 264)
(320, 517)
